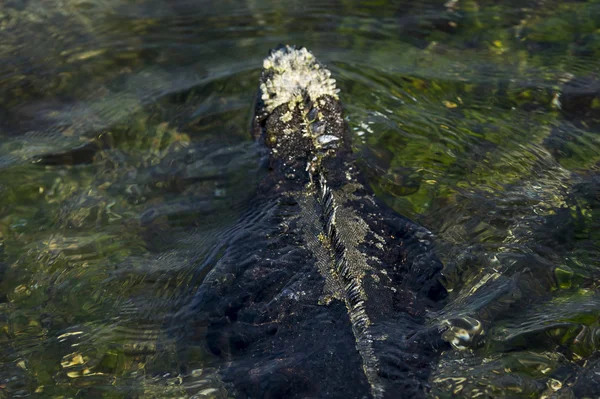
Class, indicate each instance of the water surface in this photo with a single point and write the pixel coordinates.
(125, 151)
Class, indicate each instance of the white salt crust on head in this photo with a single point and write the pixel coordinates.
(292, 73)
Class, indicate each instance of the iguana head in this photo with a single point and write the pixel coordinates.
(298, 114)
(293, 77)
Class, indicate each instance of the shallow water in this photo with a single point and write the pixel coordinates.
(125, 151)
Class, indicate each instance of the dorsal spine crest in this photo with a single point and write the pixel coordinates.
(354, 294)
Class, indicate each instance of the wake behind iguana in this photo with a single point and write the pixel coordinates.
(321, 290)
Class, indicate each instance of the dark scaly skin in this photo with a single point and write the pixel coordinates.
(320, 290)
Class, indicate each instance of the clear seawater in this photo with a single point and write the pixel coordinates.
(125, 149)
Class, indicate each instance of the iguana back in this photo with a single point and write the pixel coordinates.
(320, 290)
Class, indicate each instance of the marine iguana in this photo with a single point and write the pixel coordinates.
(320, 290)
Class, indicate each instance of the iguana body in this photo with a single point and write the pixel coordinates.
(320, 290)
